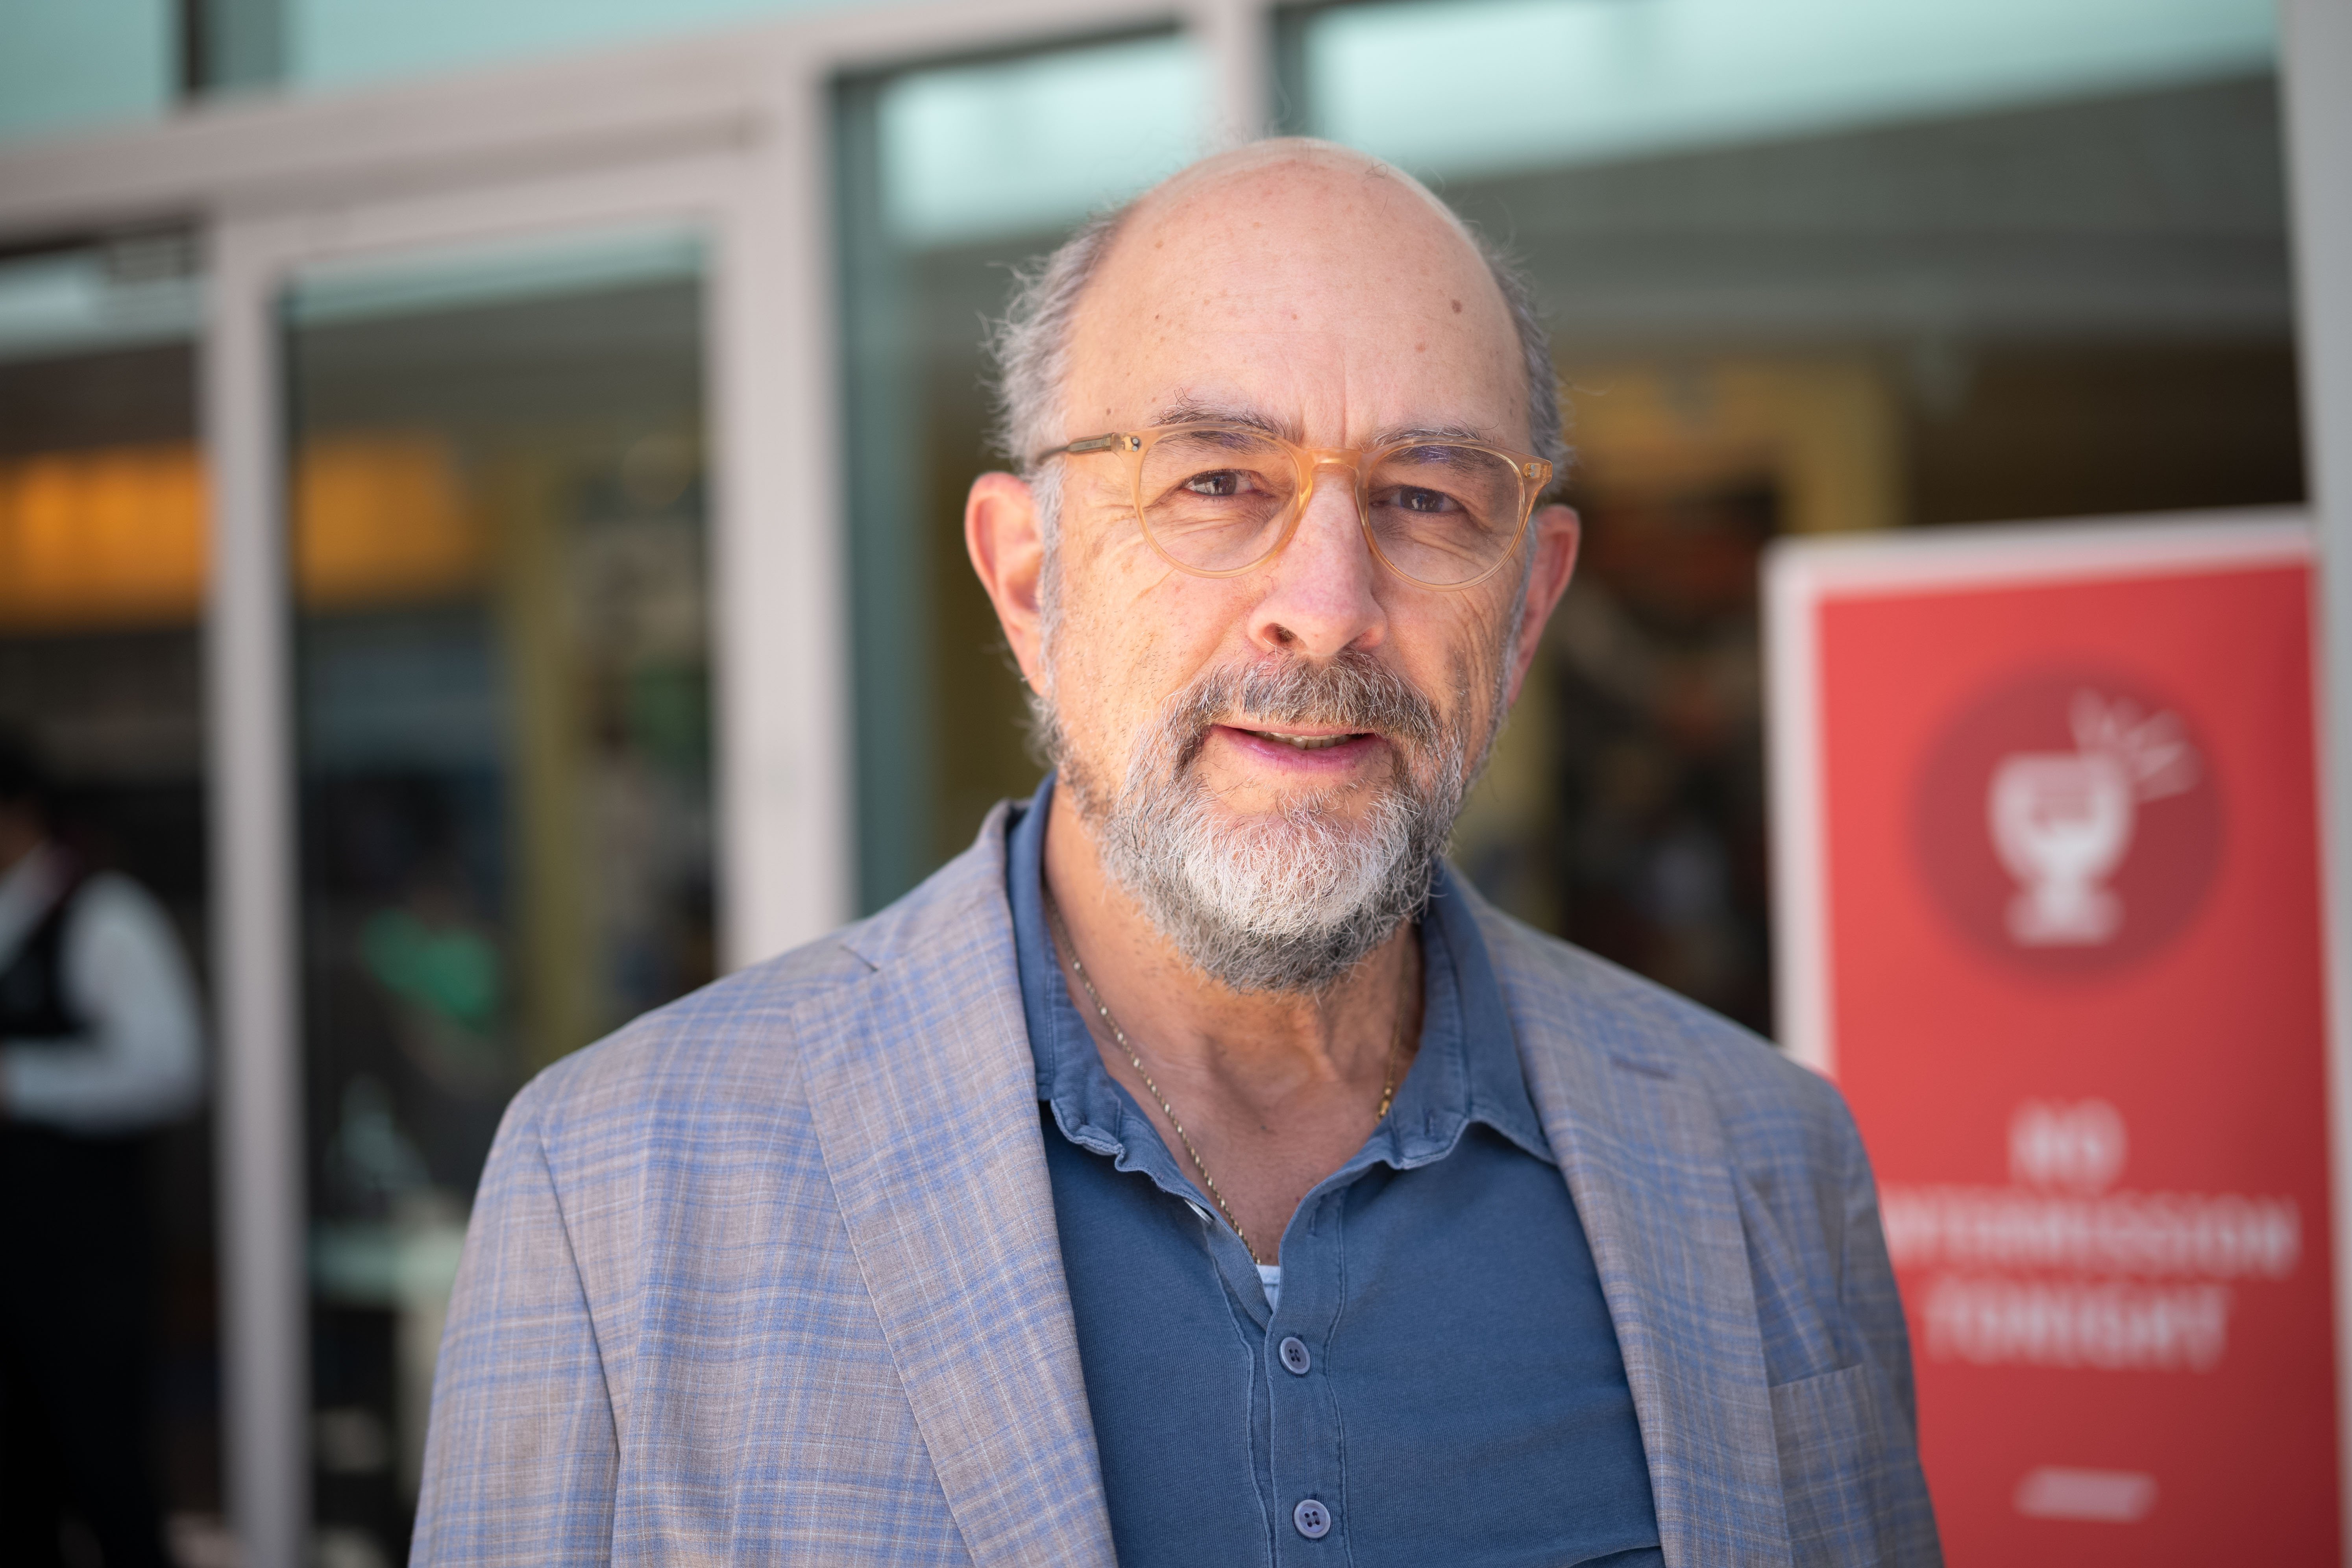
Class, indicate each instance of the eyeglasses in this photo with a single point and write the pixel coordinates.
(1219, 500)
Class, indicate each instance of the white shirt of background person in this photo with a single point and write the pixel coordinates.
(139, 1063)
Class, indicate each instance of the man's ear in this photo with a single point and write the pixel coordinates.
(1001, 531)
(1553, 534)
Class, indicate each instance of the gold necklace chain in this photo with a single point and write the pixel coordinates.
(1070, 950)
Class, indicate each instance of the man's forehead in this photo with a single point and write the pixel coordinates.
(1237, 288)
(1291, 196)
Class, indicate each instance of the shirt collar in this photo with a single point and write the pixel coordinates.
(1467, 1070)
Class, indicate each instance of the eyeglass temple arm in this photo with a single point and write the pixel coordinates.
(1091, 444)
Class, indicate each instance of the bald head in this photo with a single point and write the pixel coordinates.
(1293, 283)
(1254, 258)
(1299, 176)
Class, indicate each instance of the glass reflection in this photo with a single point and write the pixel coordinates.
(497, 497)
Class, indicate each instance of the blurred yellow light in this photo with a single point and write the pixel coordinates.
(114, 536)
(117, 536)
(381, 519)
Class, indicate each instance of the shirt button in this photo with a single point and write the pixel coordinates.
(1312, 1520)
(1294, 1355)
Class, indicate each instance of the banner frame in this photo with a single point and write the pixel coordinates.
(1800, 574)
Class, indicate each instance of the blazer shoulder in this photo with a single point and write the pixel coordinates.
(733, 1032)
(740, 1037)
(1595, 1003)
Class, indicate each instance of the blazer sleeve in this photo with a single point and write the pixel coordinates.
(523, 1451)
(1908, 1524)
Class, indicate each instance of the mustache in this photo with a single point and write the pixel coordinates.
(1289, 905)
(1354, 692)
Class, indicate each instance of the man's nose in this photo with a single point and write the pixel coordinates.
(1321, 598)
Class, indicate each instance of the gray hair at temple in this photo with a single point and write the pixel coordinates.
(1031, 345)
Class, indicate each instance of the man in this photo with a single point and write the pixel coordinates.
(99, 1045)
(1193, 1169)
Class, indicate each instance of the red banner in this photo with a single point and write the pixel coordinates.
(2048, 885)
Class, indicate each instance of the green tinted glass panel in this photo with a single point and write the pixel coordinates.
(67, 65)
(1493, 85)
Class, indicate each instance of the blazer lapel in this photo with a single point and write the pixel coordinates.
(1642, 1149)
(925, 1098)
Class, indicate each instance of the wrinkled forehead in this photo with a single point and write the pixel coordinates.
(1314, 280)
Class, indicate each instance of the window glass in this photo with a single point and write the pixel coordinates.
(497, 497)
(948, 178)
(1818, 265)
(1488, 85)
(103, 561)
(68, 64)
(1019, 148)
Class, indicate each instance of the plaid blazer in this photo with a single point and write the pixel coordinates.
(771, 1275)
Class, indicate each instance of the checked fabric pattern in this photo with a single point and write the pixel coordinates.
(770, 1274)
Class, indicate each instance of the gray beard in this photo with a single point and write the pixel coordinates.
(1292, 903)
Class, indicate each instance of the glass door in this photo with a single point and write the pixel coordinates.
(495, 486)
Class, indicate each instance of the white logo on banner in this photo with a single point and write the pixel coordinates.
(2080, 1147)
(2062, 821)
(2061, 1269)
(2097, 1496)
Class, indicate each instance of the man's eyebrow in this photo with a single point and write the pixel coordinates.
(1194, 411)
(1397, 435)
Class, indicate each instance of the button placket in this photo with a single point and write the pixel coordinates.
(1305, 1468)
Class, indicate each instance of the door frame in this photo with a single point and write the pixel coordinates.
(773, 607)
(2315, 103)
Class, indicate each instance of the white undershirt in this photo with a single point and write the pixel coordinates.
(141, 1064)
(1270, 1276)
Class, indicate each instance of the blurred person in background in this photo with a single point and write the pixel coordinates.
(1195, 1171)
(100, 1044)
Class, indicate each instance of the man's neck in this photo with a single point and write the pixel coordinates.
(1275, 1091)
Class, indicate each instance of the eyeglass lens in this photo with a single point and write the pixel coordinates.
(1217, 500)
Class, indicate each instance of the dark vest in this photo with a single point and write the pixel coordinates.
(32, 1004)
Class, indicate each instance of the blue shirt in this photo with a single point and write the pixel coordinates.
(1441, 1381)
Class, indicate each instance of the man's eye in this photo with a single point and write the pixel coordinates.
(1415, 499)
(1224, 482)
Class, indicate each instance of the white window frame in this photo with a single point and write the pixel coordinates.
(770, 591)
(2316, 81)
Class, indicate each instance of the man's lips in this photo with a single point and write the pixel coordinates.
(1305, 740)
(1322, 742)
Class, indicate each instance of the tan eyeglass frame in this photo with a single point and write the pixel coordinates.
(1135, 445)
